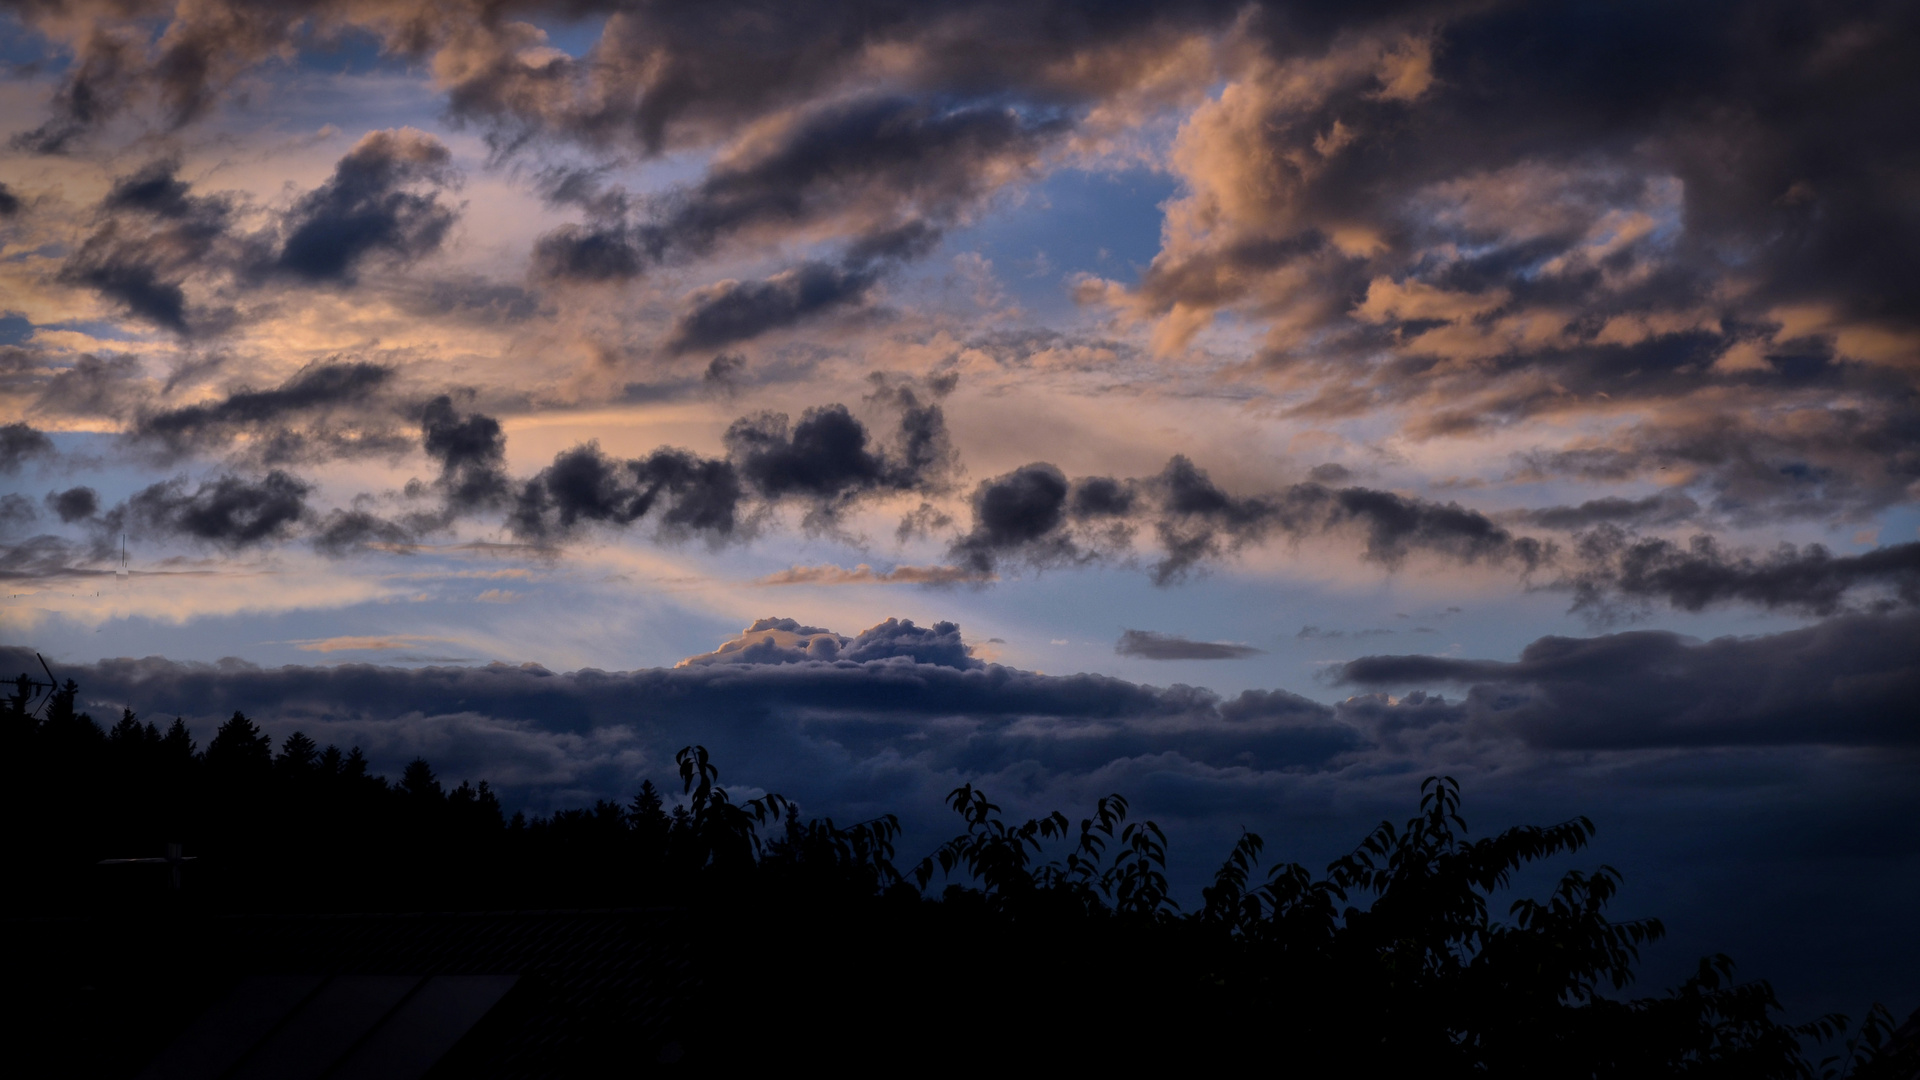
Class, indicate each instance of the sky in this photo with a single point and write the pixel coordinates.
(1251, 408)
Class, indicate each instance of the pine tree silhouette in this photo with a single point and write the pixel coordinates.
(239, 748)
(298, 756)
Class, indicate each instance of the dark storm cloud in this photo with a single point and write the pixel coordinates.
(380, 205)
(9, 202)
(21, 443)
(74, 504)
(734, 311)
(1034, 514)
(228, 511)
(313, 395)
(1703, 573)
(1849, 681)
(1149, 645)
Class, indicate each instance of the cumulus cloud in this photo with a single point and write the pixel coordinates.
(827, 462)
(227, 511)
(829, 459)
(380, 205)
(1035, 514)
(19, 444)
(471, 451)
(786, 641)
(1150, 645)
(584, 486)
(74, 504)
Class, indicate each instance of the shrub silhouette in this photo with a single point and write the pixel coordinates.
(1048, 944)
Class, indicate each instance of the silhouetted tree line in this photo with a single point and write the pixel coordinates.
(1044, 942)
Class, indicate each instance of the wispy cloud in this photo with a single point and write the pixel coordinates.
(364, 643)
(863, 574)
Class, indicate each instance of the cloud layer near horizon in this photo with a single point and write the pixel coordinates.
(782, 697)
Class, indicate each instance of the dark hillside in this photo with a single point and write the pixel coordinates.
(709, 933)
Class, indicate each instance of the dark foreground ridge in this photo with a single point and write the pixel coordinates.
(345, 925)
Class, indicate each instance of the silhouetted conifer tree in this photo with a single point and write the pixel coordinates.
(239, 747)
(298, 755)
(177, 744)
(419, 783)
(131, 737)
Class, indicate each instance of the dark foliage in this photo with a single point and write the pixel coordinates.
(1047, 942)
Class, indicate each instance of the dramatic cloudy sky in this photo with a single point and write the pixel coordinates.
(1252, 408)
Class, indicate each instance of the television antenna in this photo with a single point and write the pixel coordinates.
(173, 861)
(36, 687)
